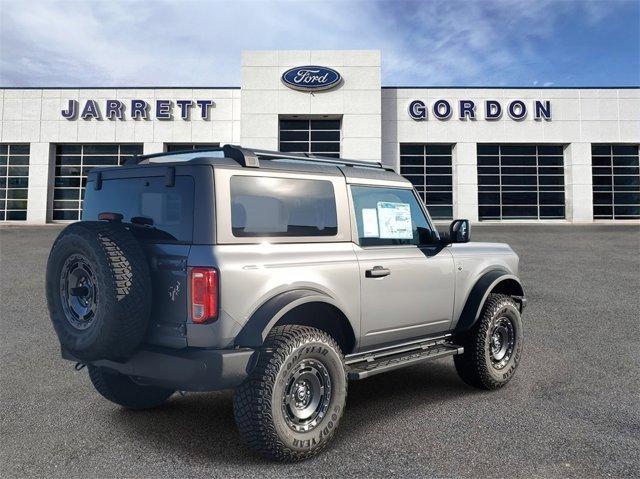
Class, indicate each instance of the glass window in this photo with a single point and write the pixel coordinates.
(487, 149)
(73, 162)
(525, 150)
(320, 137)
(265, 206)
(389, 216)
(172, 147)
(428, 168)
(170, 208)
(520, 182)
(14, 182)
(616, 181)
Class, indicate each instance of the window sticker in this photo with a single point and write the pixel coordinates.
(370, 223)
(394, 220)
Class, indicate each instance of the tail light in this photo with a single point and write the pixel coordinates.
(204, 294)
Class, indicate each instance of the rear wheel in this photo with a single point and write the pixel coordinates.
(290, 406)
(493, 346)
(122, 390)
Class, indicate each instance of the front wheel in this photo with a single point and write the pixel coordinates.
(493, 346)
(290, 406)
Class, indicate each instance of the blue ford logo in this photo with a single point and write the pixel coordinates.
(311, 78)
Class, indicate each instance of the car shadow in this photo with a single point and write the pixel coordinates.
(201, 427)
(198, 427)
(415, 389)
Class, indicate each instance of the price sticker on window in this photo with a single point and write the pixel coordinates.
(394, 220)
(370, 223)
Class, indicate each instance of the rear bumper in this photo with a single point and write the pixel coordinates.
(184, 369)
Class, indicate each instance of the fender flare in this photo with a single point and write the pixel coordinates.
(480, 292)
(256, 329)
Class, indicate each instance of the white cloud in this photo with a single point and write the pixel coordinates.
(199, 43)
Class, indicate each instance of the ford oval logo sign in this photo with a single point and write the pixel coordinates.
(311, 78)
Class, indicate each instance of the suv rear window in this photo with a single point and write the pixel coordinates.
(170, 208)
(265, 206)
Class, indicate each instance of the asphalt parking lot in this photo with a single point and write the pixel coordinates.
(573, 409)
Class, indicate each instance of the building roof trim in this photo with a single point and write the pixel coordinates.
(477, 87)
(411, 87)
(119, 88)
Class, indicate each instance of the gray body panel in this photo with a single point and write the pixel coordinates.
(414, 300)
(168, 270)
(472, 261)
(252, 274)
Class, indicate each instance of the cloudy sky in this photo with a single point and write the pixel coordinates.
(198, 43)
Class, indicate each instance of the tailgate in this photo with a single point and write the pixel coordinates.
(168, 265)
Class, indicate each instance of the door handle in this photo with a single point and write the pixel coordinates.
(377, 272)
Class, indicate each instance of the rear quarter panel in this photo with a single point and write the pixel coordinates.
(251, 274)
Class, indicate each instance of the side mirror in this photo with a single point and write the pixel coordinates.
(459, 231)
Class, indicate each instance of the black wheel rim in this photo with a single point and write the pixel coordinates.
(502, 340)
(78, 291)
(306, 395)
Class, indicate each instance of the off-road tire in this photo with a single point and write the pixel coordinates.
(122, 390)
(475, 366)
(121, 294)
(258, 401)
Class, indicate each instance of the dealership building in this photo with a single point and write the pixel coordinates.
(483, 153)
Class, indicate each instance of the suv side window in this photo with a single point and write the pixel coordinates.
(389, 216)
(266, 206)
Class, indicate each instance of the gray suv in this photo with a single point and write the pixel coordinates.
(282, 276)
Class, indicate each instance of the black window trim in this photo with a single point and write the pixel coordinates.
(5, 211)
(309, 140)
(506, 181)
(612, 188)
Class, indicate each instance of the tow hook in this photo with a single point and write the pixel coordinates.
(79, 366)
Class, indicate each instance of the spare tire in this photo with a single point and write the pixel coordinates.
(98, 290)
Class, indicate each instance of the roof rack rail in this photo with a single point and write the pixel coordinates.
(251, 158)
(137, 159)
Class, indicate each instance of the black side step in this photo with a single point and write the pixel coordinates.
(371, 365)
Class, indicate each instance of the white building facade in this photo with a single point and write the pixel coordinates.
(487, 154)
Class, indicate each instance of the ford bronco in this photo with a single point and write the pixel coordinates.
(281, 276)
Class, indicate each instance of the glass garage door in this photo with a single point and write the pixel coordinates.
(520, 182)
(14, 182)
(616, 182)
(320, 137)
(428, 167)
(73, 162)
(171, 147)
